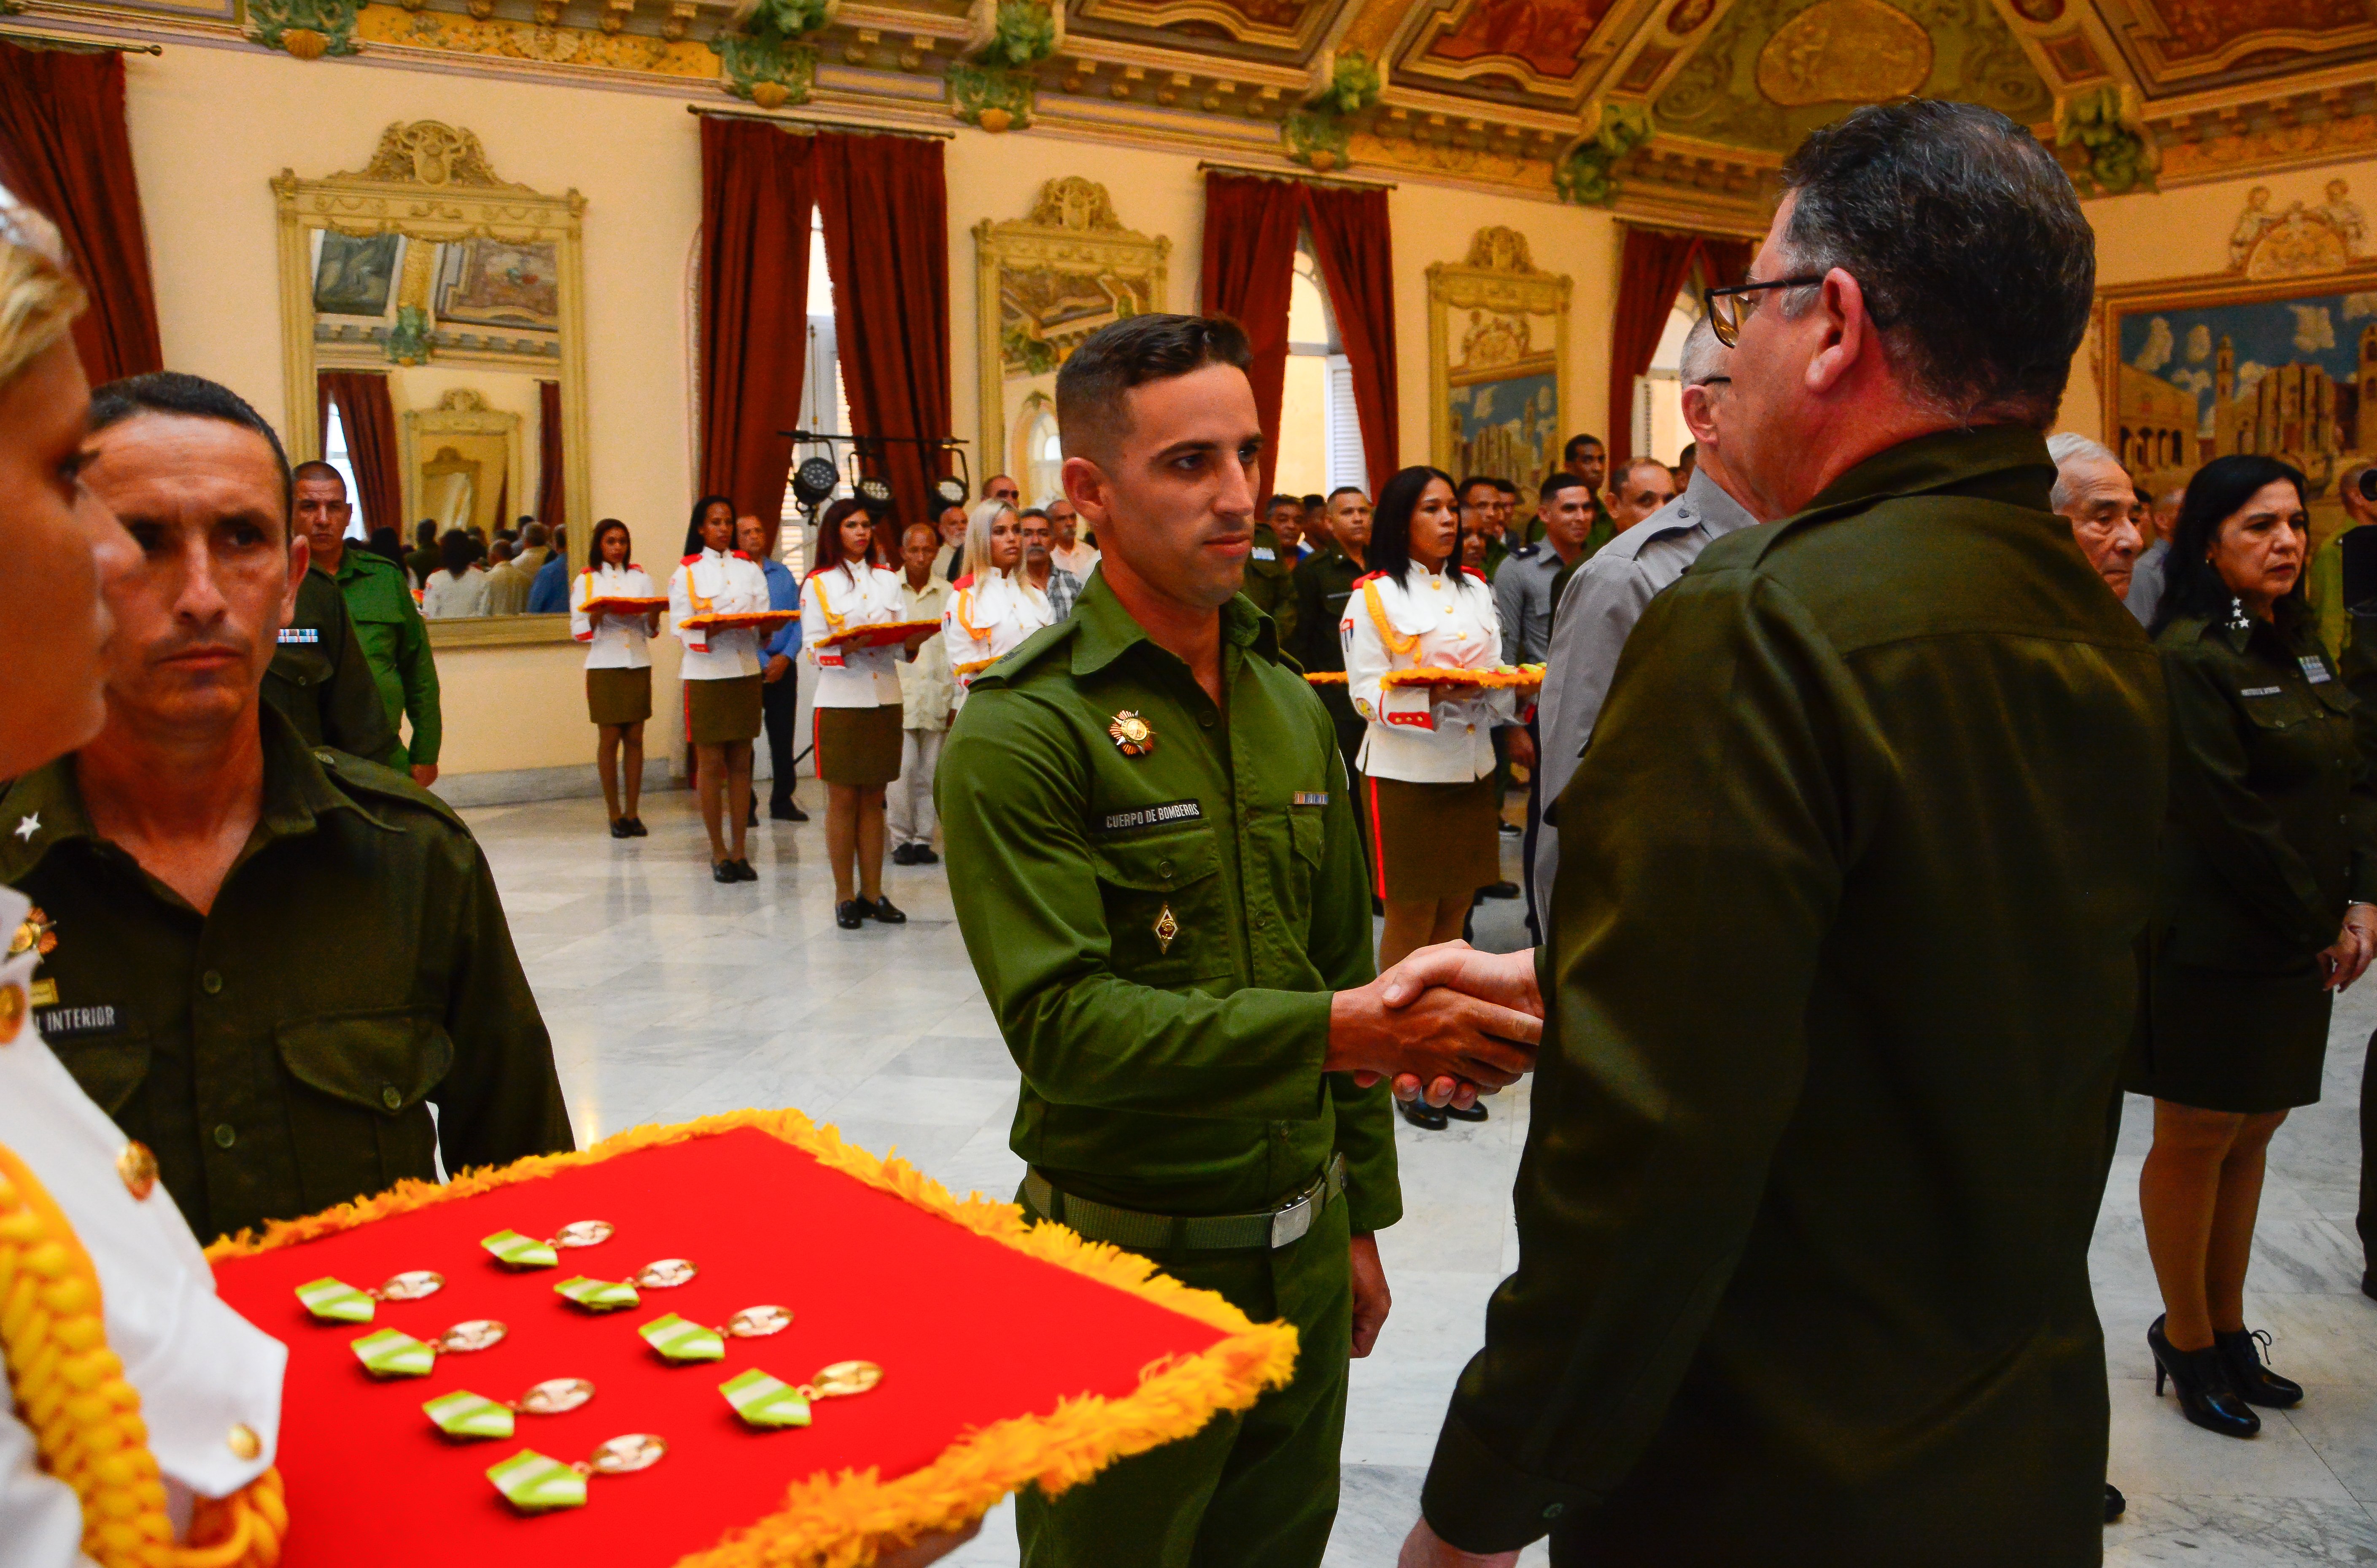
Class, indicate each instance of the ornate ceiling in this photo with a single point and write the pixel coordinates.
(1671, 110)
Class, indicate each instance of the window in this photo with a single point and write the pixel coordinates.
(334, 452)
(825, 402)
(1659, 429)
(1042, 448)
(1320, 433)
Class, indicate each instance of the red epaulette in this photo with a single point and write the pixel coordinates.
(961, 584)
(1368, 576)
(741, 557)
(1480, 575)
(631, 567)
(691, 559)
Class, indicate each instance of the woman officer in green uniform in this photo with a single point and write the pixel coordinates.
(2269, 860)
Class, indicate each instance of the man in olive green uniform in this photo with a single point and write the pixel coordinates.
(1324, 581)
(270, 962)
(1804, 1215)
(1152, 857)
(1269, 584)
(321, 681)
(387, 621)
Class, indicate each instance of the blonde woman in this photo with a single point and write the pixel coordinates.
(196, 1369)
(993, 610)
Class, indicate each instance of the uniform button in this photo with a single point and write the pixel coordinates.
(1163, 869)
(322, 755)
(137, 1166)
(298, 680)
(390, 1096)
(211, 983)
(1554, 1510)
(224, 1136)
(243, 1441)
(1206, 720)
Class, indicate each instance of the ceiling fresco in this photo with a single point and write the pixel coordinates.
(1670, 111)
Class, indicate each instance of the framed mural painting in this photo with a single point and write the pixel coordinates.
(1043, 284)
(1497, 363)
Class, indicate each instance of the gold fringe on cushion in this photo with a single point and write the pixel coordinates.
(844, 1521)
(69, 1388)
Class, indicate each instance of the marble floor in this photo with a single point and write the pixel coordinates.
(670, 996)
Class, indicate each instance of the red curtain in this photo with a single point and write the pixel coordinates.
(369, 419)
(758, 197)
(1654, 268)
(885, 200)
(552, 480)
(1250, 226)
(64, 148)
(1356, 249)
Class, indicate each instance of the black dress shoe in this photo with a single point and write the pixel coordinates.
(636, 828)
(904, 854)
(1419, 1113)
(926, 855)
(1498, 890)
(786, 811)
(2206, 1395)
(743, 870)
(1475, 1113)
(889, 913)
(2115, 1503)
(619, 828)
(724, 871)
(849, 914)
(2256, 1384)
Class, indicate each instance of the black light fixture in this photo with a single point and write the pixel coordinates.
(950, 490)
(815, 481)
(875, 495)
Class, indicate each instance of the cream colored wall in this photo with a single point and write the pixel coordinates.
(209, 127)
(2180, 234)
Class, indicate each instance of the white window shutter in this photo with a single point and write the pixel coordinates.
(1347, 464)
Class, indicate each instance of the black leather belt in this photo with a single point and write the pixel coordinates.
(1142, 1232)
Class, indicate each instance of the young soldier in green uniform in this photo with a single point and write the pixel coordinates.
(388, 622)
(1803, 1271)
(270, 962)
(1153, 855)
(1268, 583)
(320, 680)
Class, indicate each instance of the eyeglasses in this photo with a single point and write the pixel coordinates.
(1729, 307)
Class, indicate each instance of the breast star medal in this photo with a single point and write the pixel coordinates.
(1134, 735)
(1166, 928)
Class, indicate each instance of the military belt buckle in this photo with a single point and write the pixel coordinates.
(1288, 1224)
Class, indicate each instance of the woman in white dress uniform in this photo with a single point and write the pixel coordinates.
(1428, 757)
(720, 671)
(619, 667)
(203, 1385)
(996, 608)
(855, 715)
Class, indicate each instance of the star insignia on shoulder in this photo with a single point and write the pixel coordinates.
(1134, 735)
(26, 827)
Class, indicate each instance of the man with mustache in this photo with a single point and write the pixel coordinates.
(271, 960)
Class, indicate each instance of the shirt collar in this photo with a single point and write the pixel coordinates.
(1105, 632)
(2005, 463)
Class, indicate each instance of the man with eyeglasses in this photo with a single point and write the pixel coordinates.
(1840, 965)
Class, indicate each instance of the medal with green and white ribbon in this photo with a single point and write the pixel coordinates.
(386, 1353)
(611, 1295)
(535, 1483)
(517, 1251)
(471, 1416)
(768, 1402)
(678, 1340)
(336, 1301)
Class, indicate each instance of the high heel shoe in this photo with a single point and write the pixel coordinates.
(2206, 1395)
(2256, 1384)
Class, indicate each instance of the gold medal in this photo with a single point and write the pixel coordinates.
(138, 1168)
(1134, 735)
(36, 934)
(536, 1484)
(763, 1401)
(1166, 928)
(472, 1416)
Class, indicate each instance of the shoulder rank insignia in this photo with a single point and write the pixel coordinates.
(1134, 735)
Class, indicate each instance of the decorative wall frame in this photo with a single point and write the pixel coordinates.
(432, 183)
(463, 427)
(1045, 284)
(1497, 361)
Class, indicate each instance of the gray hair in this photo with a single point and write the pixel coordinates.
(2068, 446)
(1704, 356)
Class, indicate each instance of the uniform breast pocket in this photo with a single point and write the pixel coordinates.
(108, 1065)
(357, 1120)
(1308, 835)
(304, 665)
(2273, 707)
(1167, 923)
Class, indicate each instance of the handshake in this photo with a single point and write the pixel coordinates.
(1446, 1024)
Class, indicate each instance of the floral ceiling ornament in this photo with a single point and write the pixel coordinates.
(1319, 134)
(763, 56)
(2103, 123)
(1585, 177)
(307, 29)
(992, 84)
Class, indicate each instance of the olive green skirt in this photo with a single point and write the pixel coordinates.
(858, 746)
(2244, 1044)
(720, 711)
(620, 697)
(1433, 841)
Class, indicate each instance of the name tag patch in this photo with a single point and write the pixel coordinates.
(1312, 797)
(1265, 553)
(304, 634)
(2314, 669)
(2261, 691)
(1152, 816)
(68, 1022)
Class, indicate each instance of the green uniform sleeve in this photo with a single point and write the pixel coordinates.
(2234, 829)
(1013, 790)
(418, 671)
(1341, 950)
(354, 719)
(502, 1100)
(1659, 1098)
(1312, 622)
